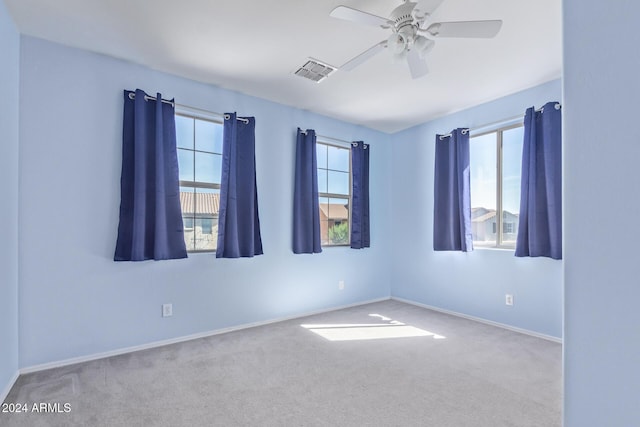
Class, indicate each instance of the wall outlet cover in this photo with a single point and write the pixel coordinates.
(167, 310)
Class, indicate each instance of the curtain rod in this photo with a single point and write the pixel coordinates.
(175, 104)
(465, 130)
(342, 141)
(327, 137)
(557, 106)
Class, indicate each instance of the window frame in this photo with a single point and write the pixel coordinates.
(499, 224)
(197, 114)
(345, 146)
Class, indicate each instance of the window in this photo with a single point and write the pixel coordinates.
(496, 164)
(509, 227)
(199, 143)
(334, 191)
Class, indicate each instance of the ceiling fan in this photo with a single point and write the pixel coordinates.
(412, 35)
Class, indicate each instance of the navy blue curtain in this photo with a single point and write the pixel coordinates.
(306, 209)
(238, 222)
(452, 194)
(150, 215)
(540, 224)
(360, 195)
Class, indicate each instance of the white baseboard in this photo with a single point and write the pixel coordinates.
(481, 320)
(9, 386)
(96, 356)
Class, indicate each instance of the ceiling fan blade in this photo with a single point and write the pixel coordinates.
(427, 7)
(355, 15)
(417, 65)
(470, 29)
(364, 56)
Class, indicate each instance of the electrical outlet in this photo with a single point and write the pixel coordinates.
(167, 310)
(508, 299)
(341, 285)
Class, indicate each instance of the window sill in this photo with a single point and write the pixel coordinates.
(493, 248)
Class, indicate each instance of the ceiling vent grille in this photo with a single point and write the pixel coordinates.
(315, 70)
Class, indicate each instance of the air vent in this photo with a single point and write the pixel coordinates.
(315, 70)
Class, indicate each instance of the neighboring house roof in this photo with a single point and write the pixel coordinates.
(205, 203)
(334, 211)
(484, 214)
(209, 204)
(485, 217)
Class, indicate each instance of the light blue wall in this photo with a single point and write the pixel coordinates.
(9, 79)
(75, 301)
(473, 283)
(602, 264)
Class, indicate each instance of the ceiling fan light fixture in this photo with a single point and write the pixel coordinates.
(400, 58)
(423, 45)
(396, 43)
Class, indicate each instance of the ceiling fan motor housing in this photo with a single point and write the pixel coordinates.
(403, 13)
(404, 22)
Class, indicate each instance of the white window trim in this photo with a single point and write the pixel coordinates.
(333, 142)
(198, 114)
(497, 128)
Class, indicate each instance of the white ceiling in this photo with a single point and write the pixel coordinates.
(254, 46)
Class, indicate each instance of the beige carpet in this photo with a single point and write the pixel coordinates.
(382, 364)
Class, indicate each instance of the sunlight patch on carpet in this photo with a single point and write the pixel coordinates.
(368, 331)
